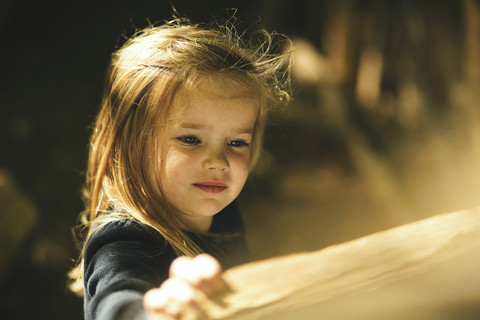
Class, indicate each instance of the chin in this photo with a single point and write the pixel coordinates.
(209, 213)
(210, 210)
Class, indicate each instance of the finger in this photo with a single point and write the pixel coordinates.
(209, 273)
(206, 266)
(181, 268)
(174, 300)
(173, 297)
(154, 302)
(202, 268)
(158, 316)
(203, 272)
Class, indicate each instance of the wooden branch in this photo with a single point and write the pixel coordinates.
(413, 271)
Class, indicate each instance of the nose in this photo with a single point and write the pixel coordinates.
(216, 159)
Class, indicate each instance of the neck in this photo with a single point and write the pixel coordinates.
(199, 225)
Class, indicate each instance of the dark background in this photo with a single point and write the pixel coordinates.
(54, 55)
(363, 165)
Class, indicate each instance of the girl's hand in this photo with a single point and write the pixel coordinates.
(191, 279)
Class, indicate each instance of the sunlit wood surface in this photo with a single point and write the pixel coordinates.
(423, 270)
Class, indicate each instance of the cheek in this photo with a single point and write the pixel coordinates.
(175, 165)
(242, 168)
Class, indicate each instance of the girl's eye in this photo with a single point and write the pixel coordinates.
(189, 140)
(237, 143)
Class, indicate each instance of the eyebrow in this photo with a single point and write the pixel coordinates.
(189, 125)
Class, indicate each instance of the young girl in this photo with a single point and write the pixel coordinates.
(179, 129)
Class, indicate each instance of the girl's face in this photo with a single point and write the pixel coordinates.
(205, 155)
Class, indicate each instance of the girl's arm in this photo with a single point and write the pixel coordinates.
(123, 260)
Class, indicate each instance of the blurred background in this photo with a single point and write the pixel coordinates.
(383, 129)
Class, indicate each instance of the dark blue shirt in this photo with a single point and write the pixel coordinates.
(125, 258)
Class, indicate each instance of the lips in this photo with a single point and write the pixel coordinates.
(211, 186)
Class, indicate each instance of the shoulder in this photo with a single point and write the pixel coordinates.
(127, 254)
(126, 234)
(123, 228)
(122, 260)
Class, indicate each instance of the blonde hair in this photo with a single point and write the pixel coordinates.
(143, 78)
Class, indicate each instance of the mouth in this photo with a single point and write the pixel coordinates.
(211, 187)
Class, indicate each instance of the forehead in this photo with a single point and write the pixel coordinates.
(219, 85)
(209, 92)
